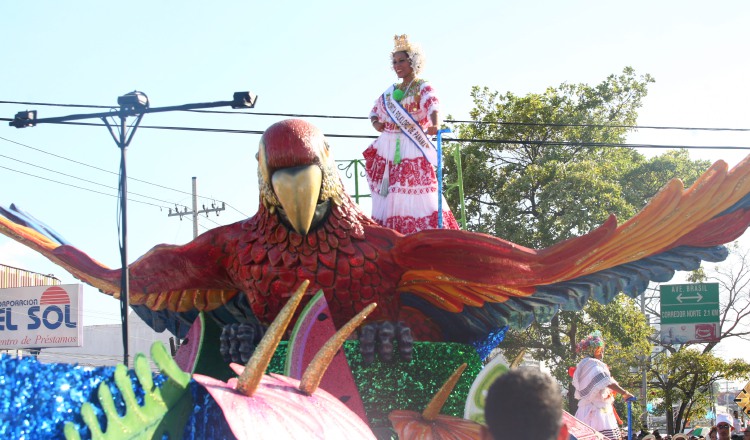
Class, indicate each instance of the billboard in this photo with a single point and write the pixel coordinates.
(41, 317)
(690, 313)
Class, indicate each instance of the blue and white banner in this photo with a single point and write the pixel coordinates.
(409, 126)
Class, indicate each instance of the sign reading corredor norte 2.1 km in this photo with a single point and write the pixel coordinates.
(690, 313)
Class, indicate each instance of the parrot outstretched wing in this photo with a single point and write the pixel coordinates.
(474, 283)
(183, 279)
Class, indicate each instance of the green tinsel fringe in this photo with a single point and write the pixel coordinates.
(387, 386)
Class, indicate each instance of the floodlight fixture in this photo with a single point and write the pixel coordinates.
(134, 101)
(244, 100)
(24, 119)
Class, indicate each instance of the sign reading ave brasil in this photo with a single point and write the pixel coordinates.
(690, 313)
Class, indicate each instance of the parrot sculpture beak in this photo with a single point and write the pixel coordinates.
(298, 190)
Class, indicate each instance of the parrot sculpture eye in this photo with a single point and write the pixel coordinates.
(440, 285)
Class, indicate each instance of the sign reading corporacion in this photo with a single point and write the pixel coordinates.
(690, 313)
(41, 317)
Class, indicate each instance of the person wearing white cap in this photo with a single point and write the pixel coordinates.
(724, 426)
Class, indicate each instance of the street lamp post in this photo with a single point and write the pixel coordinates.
(131, 104)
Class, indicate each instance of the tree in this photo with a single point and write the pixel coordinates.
(544, 167)
(538, 173)
(682, 378)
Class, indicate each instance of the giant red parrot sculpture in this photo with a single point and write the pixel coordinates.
(445, 284)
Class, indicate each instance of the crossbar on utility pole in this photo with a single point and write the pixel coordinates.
(195, 210)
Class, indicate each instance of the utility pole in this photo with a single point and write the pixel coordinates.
(195, 210)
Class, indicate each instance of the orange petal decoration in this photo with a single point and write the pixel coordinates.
(410, 425)
(430, 425)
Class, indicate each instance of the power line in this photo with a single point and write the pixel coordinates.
(85, 180)
(58, 105)
(80, 187)
(633, 127)
(446, 139)
(452, 121)
(598, 144)
(456, 121)
(97, 168)
(243, 214)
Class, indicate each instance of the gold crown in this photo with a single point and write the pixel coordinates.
(401, 43)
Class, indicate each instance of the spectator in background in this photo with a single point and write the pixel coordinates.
(713, 434)
(525, 403)
(736, 422)
(746, 433)
(724, 426)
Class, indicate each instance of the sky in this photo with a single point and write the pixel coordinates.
(315, 58)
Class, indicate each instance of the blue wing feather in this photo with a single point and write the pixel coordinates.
(25, 219)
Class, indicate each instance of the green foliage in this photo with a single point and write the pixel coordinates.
(683, 379)
(541, 175)
(536, 194)
(165, 410)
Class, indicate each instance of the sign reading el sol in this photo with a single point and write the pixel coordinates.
(690, 313)
(41, 316)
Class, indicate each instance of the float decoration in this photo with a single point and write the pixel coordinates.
(272, 406)
(199, 352)
(165, 410)
(430, 424)
(313, 329)
(474, 409)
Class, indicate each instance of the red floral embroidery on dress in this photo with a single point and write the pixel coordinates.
(410, 225)
(414, 176)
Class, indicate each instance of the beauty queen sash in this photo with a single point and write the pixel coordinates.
(409, 126)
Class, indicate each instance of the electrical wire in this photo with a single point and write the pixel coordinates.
(97, 168)
(212, 220)
(240, 212)
(47, 104)
(455, 121)
(468, 140)
(631, 127)
(85, 180)
(451, 121)
(79, 187)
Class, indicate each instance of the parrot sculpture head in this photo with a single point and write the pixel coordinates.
(297, 176)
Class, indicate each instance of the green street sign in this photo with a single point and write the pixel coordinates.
(689, 313)
(689, 303)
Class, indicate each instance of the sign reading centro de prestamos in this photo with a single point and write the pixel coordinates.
(41, 317)
(690, 313)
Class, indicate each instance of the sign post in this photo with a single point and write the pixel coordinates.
(690, 313)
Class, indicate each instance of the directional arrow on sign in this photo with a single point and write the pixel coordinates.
(698, 297)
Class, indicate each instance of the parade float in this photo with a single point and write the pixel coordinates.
(453, 292)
